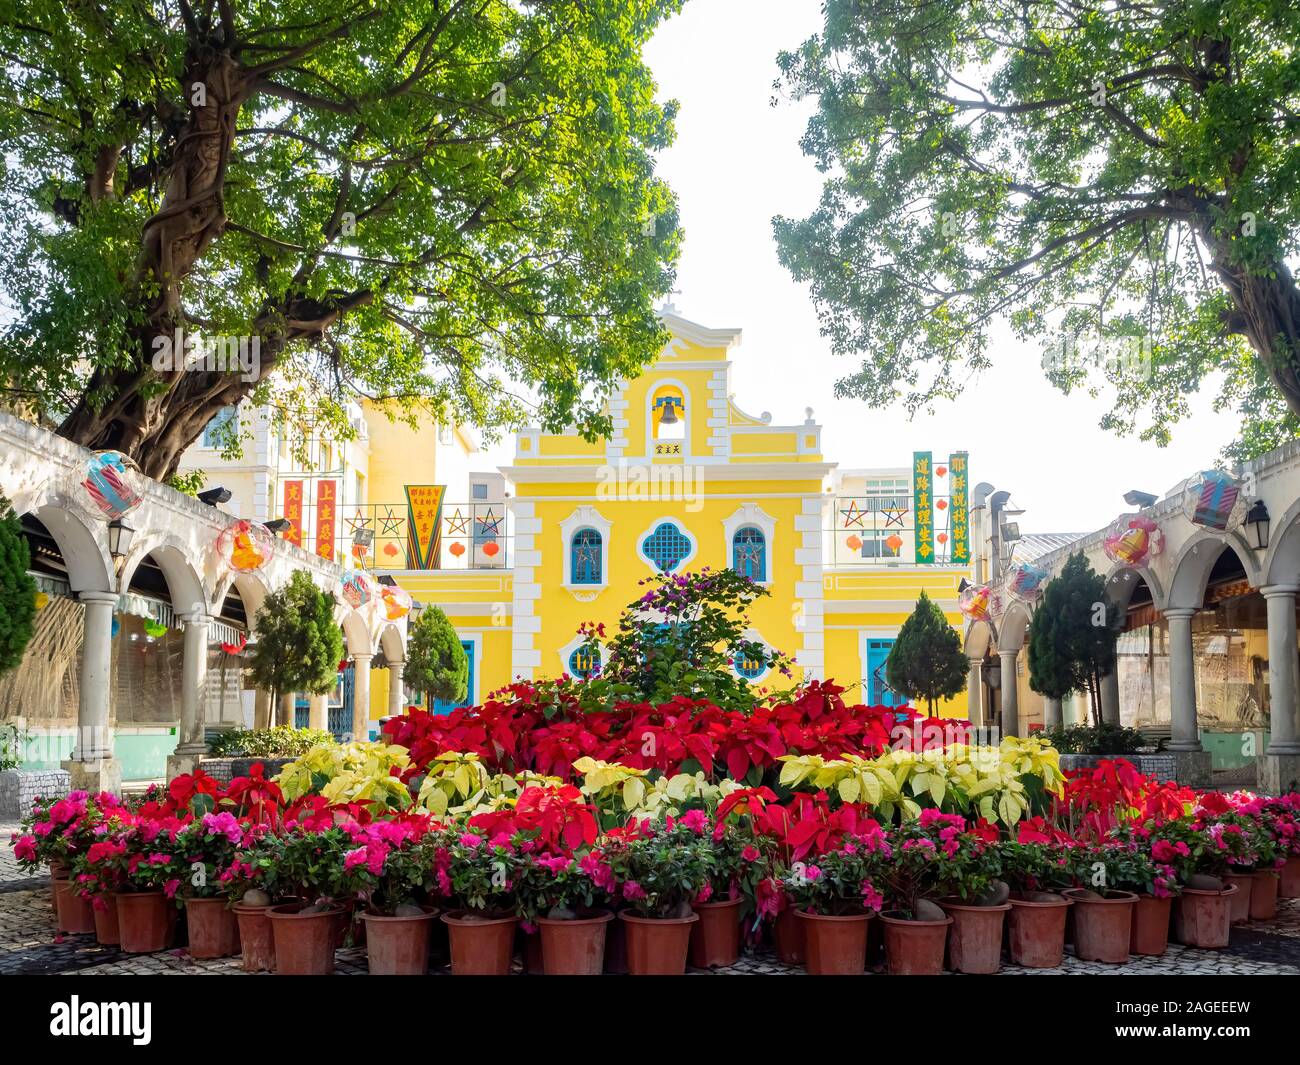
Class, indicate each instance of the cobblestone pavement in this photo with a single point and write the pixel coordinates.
(29, 945)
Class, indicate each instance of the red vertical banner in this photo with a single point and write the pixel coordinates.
(327, 495)
(293, 511)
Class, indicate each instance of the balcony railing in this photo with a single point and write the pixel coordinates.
(875, 530)
(388, 536)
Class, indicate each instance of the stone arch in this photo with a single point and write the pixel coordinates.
(185, 586)
(1282, 559)
(393, 643)
(84, 550)
(252, 591)
(979, 637)
(1015, 623)
(1191, 570)
(1122, 581)
(356, 634)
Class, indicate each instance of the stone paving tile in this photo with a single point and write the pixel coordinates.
(29, 946)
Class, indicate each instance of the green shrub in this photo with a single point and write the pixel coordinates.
(1096, 739)
(278, 742)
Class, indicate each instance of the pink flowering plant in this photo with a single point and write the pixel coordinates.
(563, 886)
(842, 881)
(389, 867)
(302, 861)
(1281, 817)
(56, 830)
(478, 872)
(1127, 862)
(661, 867)
(208, 846)
(937, 855)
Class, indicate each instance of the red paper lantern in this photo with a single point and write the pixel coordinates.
(853, 543)
(491, 548)
(390, 549)
(893, 541)
(457, 549)
(942, 504)
(942, 538)
(942, 471)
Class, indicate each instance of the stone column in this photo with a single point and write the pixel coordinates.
(1010, 707)
(975, 693)
(1053, 716)
(361, 696)
(318, 714)
(1182, 680)
(1110, 697)
(396, 704)
(1284, 735)
(288, 701)
(92, 765)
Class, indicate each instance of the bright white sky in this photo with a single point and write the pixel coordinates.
(735, 164)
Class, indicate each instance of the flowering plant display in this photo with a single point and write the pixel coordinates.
(662, 867)
(1128, 863)
(55, 831)
(389, 867)
(935, 856)
(843, 880)
(360, 772)
(566, 886)
(479, 874)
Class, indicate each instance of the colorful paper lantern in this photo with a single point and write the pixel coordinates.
(975, 601)
(853, 543)
(390, 549)
(491, 548)
(237, 647)
(42, 600)
(893, 541)
(942, 504)
(1213, 500)
(155, 629)
(115, 628)
(396, 601)
(1132, 539)
(942, 538)
(1025, 582)
(941, 471)
(359, 588)
(245, 546)
(457, 548)
(111, 485)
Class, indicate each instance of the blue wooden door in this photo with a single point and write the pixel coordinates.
(340, 717)
(443, 706)
(879, 693)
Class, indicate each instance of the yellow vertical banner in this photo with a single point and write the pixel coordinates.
(959, 505)
(424, 524)
(923, 505)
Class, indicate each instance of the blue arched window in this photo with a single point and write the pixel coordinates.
(666, 546)
(749, 553)
(585, 558)
(750, 667)
(583, 663)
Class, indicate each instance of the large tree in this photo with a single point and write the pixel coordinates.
(436, 662)
(299, 644)
(446, 202)
(927, 661)
(1134, 164)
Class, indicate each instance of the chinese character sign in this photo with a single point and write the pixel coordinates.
(293, 511)
(959, 506)
(923, 505)
(424, 523)
(327, 498)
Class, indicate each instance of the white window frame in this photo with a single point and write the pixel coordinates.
(572, 646)
(585, 517)
(751, 514)
(682, 528)
(650, 439)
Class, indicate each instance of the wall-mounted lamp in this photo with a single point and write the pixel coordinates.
(120, 535)
(1257, 524)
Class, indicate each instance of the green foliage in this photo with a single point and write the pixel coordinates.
(298, 644)
(1126, 163)
(1072, 635)
(17, 589)
(682, 637)
(12, 742)
(436, 663)
(280, 741)
(438, 203)
(1105, 738)
(927, 661)
(190, 484)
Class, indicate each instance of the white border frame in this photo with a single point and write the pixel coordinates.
(585, 517)
(754, 636)
(687, 401)
(568, 649)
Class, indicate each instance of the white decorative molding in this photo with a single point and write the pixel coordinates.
(656, 386)
(752, 514)
(753, 636)
(568, 649)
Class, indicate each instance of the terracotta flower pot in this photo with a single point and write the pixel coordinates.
(574, 948)
(1244, 882)
(304, 942)
(398, 946)
(1263, 896)
(1103, 927)
(657, 946)
(1289, 885)
(529, 945)
(1204, 918)
(1036, 933)
(256, 940)
(715, 938)
(975, 939)
(214, 930)
(106, 930)
(834, 946)
(480, 946)
(73, 913)
(145, 920)
(1149, 934)
(58, 871)
(914, 948)
(787, 937)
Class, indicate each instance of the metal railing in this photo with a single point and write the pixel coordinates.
(387, 536)
(867, 531)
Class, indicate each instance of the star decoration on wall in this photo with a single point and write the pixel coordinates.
(490, 525)
(391, 524)
(853, 515)
(894, 514)
(357, 521)
(457, 524)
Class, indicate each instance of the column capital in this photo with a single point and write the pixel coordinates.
(363, 656)
(1010, 654)
(197, 618)
(98, 597)
(1179, 611)
(1279, 591)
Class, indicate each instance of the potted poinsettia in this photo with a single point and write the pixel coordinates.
(389, 870)
(570, 898)
(1150, 864)
(1036, 867)
(834, 896)
(661, 868)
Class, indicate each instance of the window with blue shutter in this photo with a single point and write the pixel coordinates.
(749, 553)
(585, 557)
(666, 546)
